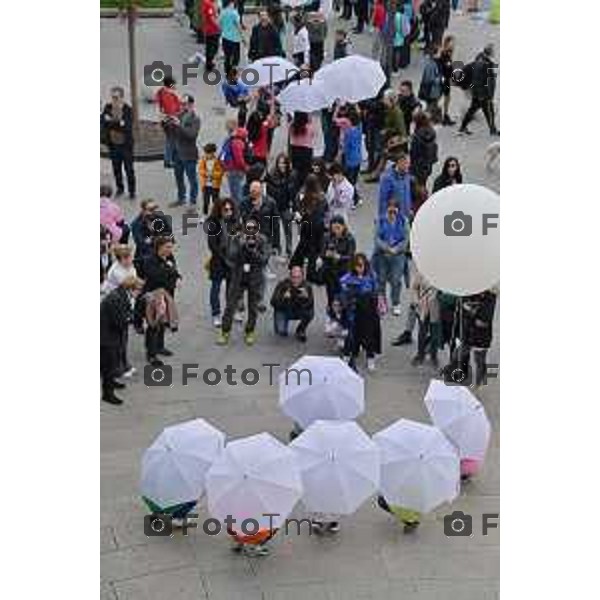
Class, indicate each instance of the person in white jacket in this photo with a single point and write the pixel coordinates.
(300, 43)
(340, 193)
(120, 270)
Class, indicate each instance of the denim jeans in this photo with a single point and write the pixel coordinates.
(189, 168)
(169, 151)
(236, 179)
(390, 268)
(215, 295)
(282, 318)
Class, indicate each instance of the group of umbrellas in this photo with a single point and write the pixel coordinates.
(350, 79)
(333, 466)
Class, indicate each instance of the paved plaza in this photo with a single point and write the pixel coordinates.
(370, 558)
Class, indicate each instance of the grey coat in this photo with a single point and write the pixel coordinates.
(186, 134)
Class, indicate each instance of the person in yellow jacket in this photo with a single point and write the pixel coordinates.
(210, 170)
(411, 519)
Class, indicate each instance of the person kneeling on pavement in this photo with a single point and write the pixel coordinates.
(292, 300)
(246, 256)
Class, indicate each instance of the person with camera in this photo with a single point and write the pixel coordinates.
(115, 316)
(150, 224)
(160, 273)
(168, 103)
(116, 131)
(258, 208)
(185, 129)
(359, 295)
(247, 255)
(389, 255)
(398, 186)
(292, 300)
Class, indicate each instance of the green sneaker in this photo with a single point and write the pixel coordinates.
(250, 338)
(223, 338)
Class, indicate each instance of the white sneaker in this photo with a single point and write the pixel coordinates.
(396, 310)
(130, 373)
(217, 321)
(371, 364)
(239, 317)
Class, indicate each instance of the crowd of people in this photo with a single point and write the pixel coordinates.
(294, 209)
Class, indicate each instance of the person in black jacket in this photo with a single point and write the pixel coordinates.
(339, 247)
(483, 87)
(115, 315)
(160, 272)
(423, 155)
(281, 186)
(116, 126)
(409, 104)
(150, 224)
(246, 258)
(475, 329)
(292, 300)
(217, 227)
(264, 39)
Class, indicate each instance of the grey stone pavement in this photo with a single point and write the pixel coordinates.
(370, 558)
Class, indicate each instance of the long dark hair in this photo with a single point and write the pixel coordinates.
(446, 176)
(360, 257)
(313, 193)
(300, 122)
(217, 208)
(275, 170)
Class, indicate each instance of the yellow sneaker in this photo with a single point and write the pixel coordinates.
(223, 339)
(250, 338)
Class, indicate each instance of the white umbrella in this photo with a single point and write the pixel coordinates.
(352, 78)
(267, 71)
(255, 476)
(295, 3)
(175, 465)
(458, 413)
(339, 465)
(419, 466)
(321, 387)
(306, 95)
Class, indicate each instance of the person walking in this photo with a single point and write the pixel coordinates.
(389, 256)
(430, 89)
(222, 221)
(186, 129)
(116, 130)
(300, 42)
(483, 88)
(231, 35)
(212, 31)
(247, 255)
(352, 137)
(446, 64)
(423, 155)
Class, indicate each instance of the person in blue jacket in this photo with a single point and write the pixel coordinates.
(359, 296)
(352, 148)
(397, 185)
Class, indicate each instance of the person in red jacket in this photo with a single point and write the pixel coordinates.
(234, 160)
(212, 31)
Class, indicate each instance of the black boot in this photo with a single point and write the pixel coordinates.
(403, 339)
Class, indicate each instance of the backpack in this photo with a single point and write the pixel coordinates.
(226, 153)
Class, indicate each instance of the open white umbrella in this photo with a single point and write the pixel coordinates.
(352, 78)
(174, 467)
(339, 464)
(255, 476)
(306, 95)
(267, 71)
(321, 387)
(458, 413)
(419, 466)
(295, 3)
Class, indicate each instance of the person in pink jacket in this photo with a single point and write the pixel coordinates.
(112, 217)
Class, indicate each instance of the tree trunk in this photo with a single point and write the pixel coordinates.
(131, 15)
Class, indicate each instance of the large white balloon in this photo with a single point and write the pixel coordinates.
(455, 239)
